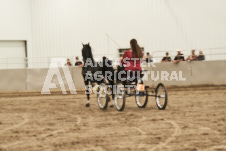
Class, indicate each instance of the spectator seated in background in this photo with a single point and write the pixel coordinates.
(148, 58)
(192, 57)
(179, 57)
(167, 58)
(200, 57)
(78, 63)
(68, 62)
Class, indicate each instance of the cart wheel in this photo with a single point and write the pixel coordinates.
(120, 98)
(142, 98)
(102, 97)
(161, 96)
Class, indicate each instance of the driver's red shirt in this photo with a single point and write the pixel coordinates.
(131, 64)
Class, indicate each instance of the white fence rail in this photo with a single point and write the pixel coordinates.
(44, 62)
(211, 54)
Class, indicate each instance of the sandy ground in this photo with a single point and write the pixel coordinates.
(195, 119)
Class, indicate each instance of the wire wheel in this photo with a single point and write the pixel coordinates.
(141, 98)
(102, 97)
(120, 97)
(161, 96)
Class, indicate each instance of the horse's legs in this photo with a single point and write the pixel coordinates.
(87, 90)
(111, 82)
(112, 85)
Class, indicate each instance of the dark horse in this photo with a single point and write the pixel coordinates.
(91, 68)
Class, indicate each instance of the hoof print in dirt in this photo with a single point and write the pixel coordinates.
(111, 106)
(87, 105)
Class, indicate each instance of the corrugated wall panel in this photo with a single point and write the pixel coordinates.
(58, 27)
(61, 26)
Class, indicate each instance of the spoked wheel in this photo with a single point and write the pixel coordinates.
(102, 97)
(120, 98)
(161, 96)
(141, 98)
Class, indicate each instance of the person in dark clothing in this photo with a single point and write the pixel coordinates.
(148, 58)
(192, 57)
(179, 57)
(167, 58)
(68, 62)
(78, 63)
(201, 57)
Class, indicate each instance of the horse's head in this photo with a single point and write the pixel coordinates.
(87, 52)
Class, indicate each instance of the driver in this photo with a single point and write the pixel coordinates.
(131, 61)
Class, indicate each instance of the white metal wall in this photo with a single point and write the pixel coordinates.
(14, 54)
(15, 21)
(58, 27)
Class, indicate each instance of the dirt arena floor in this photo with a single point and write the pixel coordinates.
(195, 119)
